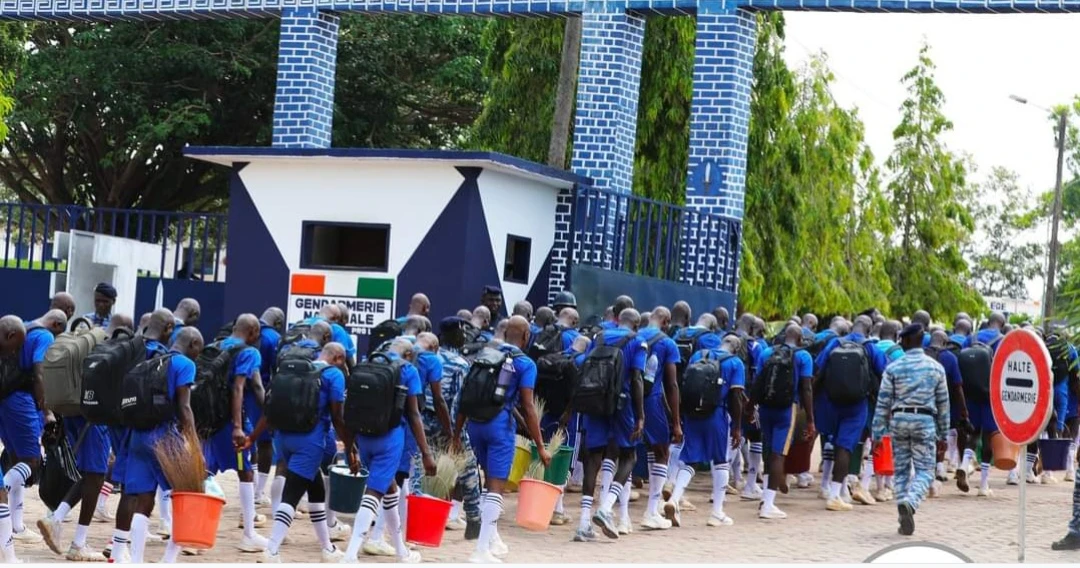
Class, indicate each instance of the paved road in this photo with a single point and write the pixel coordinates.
(810, 534)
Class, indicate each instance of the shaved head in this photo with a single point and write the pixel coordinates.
(922, 317)
(660, 317)
(731, 344)
(810, 322)
(680, 313)
(481, 317)
(419, 305)
(402, 347)
(189, 341)
(517, 331)
(938, 338)
(320, 333)
(793, 334)
(415, 325)
(144, 320)
(622, 303)
(629, 318)
(331, 312)
(890, 330)
(523, 309)
(274, 318)
(160, 325)
(12, 335)
(64, 302)
(188, 311)
(246, 328)
(569, 317)
(120, 321)
(428, 342)
(723, 318)
(997, 320)
(333, 354)
(963, 327)
(862, 325)
(544, 316)
(708, 321)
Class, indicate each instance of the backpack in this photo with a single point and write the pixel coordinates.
(103, 374)
(975, 363)
(556, 375)
(58, 469)
(480, 400)
(548, 341)
(62, 369)
(600, 382)
(818, 345)
(12, 377)
(652, 366)
(374, 396)
(474, 342)
(211, 393)
(847, 374)
(294, 351)
(1059, 356)
(293, 402)
(382, 333)
(144, 395)
(775, 386)
(687, 345)
(225, 331)
(700, 392)
(296, 332)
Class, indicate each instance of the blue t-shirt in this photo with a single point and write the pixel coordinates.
(155, 348)
(890, 349)
(181, 373)
(410, 378)
(485, 336)
(732, 371)
(244, 364)
(534, 330)
(703, 338)
(959, 338)
(569, 336)
(524, 374)
(634, 352)
(952, 367)
(337, 334)
(178, 325)
(804, 364)
(331, 390)
(269, 339)
(608, 325)
(986, 336)
(664, 352)
(876, 357)
(37, 343)
(429, 367)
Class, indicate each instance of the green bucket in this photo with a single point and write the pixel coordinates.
(559, 471)
(346, 489)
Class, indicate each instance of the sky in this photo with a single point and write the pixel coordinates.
(980, 59)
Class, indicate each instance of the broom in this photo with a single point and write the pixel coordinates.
(182, 461)
(536, 468)
(448, 466)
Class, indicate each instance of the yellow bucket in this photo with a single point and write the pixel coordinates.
(522, 459)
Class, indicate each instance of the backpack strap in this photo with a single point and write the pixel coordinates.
(626, 339)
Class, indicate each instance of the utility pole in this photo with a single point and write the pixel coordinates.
(1051, 271)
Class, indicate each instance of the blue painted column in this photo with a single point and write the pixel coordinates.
(304, 100)
(605, 126)
(719, 127)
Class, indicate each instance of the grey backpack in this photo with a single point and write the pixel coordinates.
(62, 368)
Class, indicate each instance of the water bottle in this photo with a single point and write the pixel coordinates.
(651, 366)
(503, 383)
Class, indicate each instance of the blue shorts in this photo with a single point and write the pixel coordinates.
(657, 430)
(600, 431)
(92, 455)
(119, 437)
(411, 449)
(493, 444)
(381, 455)
(1061, 403)
(844, 425)
(302, 453)
(330, 446)
(982, 417)
(253, 413)
(705, 440)
(777, 428)
(21, 425)
(221, 454)
(143, 472)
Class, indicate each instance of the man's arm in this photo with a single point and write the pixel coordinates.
(257, 388)
(637, 394)
(442, 411)
(37, 377)
(183, 409)
(671, 392)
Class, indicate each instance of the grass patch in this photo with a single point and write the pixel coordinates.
(49, 265)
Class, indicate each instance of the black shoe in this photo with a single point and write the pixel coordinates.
(962, 480)
(1070, 542)
(907, 519)
(472, 530)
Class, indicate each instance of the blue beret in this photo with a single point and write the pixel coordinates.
(452, 322)
(106, 289)
(492, 290)
(913, 329)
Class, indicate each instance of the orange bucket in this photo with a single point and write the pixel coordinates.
(426, 522)
(1005, 452)
(536, 503)
(195, 519)
(883, 457)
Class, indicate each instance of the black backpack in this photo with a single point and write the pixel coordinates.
(548, 341)
(58, 469)
(775, 386)
(556, 375)
(225, 331)
(12, 377)
(374, 396)
(292, 404)
(296, 332)
(145, 402)
(600, 382)
(474, 342)
(212, 391)
(687, 345)
(382, 333)
(479, 400)
(848, 379)
(1059, 356)
(103, 375)
(294, 351)
(975, 363)
(700, 392)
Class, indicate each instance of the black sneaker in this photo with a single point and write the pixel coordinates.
(1070, 542)
(961, 480)
(907, 519)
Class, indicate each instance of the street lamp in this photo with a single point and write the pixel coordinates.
(1051, 269)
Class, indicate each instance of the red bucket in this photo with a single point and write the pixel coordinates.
(798, 457)
(426, 521)
(883, 457)
(195, 519)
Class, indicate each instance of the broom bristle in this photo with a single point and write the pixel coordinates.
(182, 461)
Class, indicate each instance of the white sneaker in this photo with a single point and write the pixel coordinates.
(771, 513)
(624, 527)
(656, 523)
(838, 505)
(378, 548)
(263, 501)
(721, 521)
(985, 492)
(260, 521)
(50, 532)
(1031, 477)
(164, 528)
(84, 554)
(686, 505)
(751, 493)
(340, 532)
(27, 536)
(412, 557)
(256, 543)
(486, 557)
(124, 557)
(823, 494)
(103, 515)
(267, 558)
(498, 547)
(1014, 478)
(805, 480)
(332, 556)
(1048, 478)
(860, 495)
(935, 489)
(1070, 475)
(457, 524)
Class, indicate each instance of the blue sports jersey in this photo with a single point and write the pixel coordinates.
(664, 352)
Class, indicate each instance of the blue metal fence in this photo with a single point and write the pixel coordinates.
(633, 234)
(192, 244)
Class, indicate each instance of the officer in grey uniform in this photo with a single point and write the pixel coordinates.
(912, 407)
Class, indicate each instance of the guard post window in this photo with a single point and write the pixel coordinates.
(345, 246)
(516, 267)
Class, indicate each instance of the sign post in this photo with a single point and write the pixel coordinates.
(1021, 396)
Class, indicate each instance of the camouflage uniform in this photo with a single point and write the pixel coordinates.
(913, 382)
(455, 367)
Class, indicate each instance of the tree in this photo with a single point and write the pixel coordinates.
(1001, 262)
(927, 193)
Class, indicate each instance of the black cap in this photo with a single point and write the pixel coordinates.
(452, 322)
(913, 329)
(106, 289)
(489, 289)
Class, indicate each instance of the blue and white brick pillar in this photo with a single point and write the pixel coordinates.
(719, 128)
(605, 125)
(307, 58)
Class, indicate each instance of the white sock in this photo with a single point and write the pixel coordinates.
(834, 490)
(318, 520)
(607, 475)
(736, 463)
(247, 507)
(1031, 459)
(392, 513)
(608, 500)
(139, 526)
(172, 552)
(657, 475)
(827, 454)
(682, 480)
(403, 503)
(578, 474)
(165, 506)
(103, 497)
(331, 516)
(560, 508)
(490, 512)
(277, 487)
(283, 518)
(376, 533)
(1072, 457)
(456, 506)
(720, 475)
(5, 533)
(768, 498)
(260, 483)
(940, 469)
(969, 458)
(984, 475)
(14, 481)
(624, 501)
(586, 512)
(121, 542)
(755, 463)
(61, 512)
(80, 535)
(369, 507)
(673, 459)
(866, 474)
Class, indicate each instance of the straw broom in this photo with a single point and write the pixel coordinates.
(536, 468)
(182, 461)
(448, 466)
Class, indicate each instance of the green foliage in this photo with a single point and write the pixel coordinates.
(930, 205)
(1001, 264)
